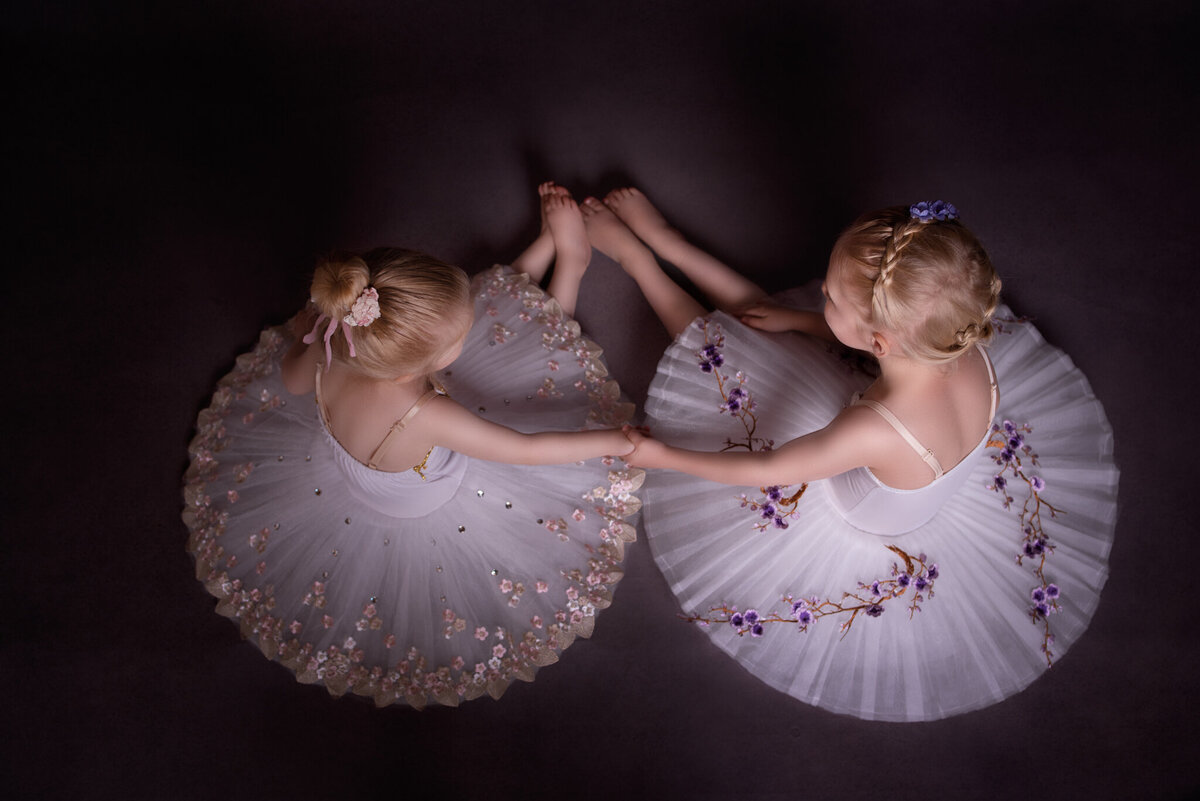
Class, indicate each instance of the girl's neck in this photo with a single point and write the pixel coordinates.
(391, 386)
(897, 371)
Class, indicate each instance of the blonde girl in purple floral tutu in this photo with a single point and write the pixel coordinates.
(867, 480)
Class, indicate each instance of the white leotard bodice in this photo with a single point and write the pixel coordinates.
(869, 504)
(412, 493)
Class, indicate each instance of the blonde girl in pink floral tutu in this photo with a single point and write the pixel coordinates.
(413, 496)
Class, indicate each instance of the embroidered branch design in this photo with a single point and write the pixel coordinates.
(776, 506)
(916, 576)
(1009, 439)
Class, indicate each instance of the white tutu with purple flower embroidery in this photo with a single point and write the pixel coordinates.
(955, 615)
(448, 605)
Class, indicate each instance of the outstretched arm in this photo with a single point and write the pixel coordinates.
(769, 316)
(842, 445)
(453, 427)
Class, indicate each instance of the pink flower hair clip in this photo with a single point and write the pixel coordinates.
(364, 312)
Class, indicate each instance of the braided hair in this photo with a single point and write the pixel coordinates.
(928, 279)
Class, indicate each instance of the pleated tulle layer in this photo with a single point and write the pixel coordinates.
(984, 626)
(451, 605)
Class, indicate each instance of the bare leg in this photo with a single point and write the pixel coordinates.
(674, 307)
(725, 287)
(572, 252)
(536, 258)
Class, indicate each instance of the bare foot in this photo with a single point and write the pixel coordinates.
(637, 212)
(724, 286)
(675, 307)
(536, 258)
(546, 189)
(572, 251)
(560, 213)
(612, 237)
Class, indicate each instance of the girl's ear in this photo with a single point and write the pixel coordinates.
(881, 345)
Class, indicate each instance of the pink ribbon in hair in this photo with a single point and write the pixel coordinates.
(311, 336)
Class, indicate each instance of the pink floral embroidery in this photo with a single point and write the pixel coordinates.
(410, 680)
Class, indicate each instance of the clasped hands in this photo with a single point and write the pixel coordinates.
(647, 451)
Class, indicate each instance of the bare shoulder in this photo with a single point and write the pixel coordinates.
(863, 431)
(445, 417)
(299, 368)
(853, 439)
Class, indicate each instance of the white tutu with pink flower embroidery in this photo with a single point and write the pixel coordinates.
(404, 602)
(934, 622)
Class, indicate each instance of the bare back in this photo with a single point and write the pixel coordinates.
(362, 413)
(948, 413)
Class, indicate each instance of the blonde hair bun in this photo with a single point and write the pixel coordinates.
(423, 308)
(337, 282)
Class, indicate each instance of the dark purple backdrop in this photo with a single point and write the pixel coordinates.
(172, 169)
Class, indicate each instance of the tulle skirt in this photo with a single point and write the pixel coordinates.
(447, 606)
(953, 616)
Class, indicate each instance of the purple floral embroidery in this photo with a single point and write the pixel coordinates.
(777, 505)
(1010, 439)
(916, 575)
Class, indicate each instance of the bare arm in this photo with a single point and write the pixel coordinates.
(844, 444)
(768, 316)
(299, 365)
(453, 427)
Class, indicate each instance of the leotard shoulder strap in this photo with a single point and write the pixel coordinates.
(397, 427)
(925, 453)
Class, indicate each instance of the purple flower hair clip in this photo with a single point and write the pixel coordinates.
(931, 210)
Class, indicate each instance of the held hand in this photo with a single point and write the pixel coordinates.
(768, 316)
(645, 452)
(622, 446)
